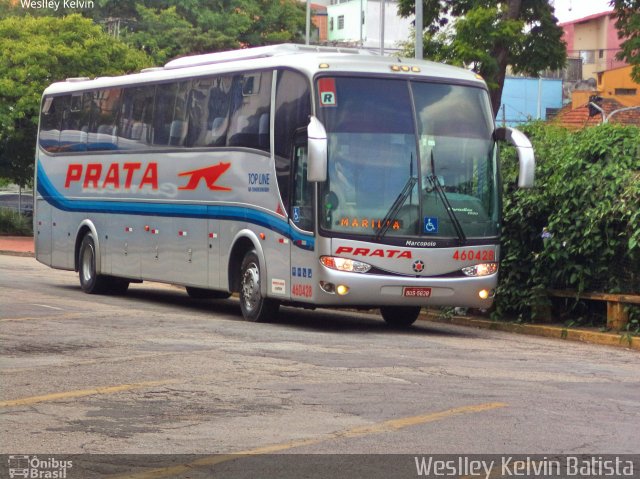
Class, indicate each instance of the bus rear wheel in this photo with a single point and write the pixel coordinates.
(254, 306)
(90, 281)
(400, 316)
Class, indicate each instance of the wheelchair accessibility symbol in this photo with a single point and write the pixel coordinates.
(430, 224)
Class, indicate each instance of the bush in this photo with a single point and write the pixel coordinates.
(587, 202)
(13, 223)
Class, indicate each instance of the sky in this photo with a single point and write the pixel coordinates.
(567, 10)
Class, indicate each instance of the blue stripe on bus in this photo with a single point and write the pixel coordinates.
(237, 213)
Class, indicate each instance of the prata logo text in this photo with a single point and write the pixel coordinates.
(133, 176)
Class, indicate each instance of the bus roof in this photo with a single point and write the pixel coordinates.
(304, 58)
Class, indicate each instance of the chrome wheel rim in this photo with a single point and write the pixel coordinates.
(251, 287)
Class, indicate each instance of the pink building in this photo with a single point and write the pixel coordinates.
(595, 40)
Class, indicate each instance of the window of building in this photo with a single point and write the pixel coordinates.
(588, 56)
(626, 91)
(341, 22)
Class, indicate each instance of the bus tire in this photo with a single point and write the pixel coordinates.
(202, 293)
(254, 306)
(400, 316)
(90, 281)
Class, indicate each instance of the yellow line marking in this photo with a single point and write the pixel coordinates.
(84, 392)
(378, 428)
(60, 316)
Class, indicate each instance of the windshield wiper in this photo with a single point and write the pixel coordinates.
(395, 207)
(433, 179)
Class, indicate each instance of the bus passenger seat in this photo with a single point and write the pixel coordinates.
(177, 132)
(136, 130)
(263, 131)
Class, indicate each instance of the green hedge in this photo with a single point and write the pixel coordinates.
(587, 200)
(13, 223)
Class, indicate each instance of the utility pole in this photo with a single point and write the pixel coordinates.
(308, 23)
(381, 27)
(419, 28)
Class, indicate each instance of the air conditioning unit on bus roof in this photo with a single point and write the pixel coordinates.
(256, 52)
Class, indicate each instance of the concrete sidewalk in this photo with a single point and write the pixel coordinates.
(17, 245)
(23, 246)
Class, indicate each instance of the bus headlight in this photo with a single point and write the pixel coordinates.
(483, 269)
(344, 264)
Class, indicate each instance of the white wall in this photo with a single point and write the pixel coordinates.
(396, 28)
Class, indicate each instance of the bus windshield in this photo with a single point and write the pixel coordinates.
(408, 158)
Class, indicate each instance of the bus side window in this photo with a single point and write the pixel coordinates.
(170, 121)
(104, 115)
(52, 111)
(251, 104)
(163, 113)
(293, 107)
(75, 122)
(134, 128)
(209, 103)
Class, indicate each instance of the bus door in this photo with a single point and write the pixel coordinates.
(302, 221)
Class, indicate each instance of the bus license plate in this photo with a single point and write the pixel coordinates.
(416, 292)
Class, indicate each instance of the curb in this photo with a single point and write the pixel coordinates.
(27, 254)
(556, 332)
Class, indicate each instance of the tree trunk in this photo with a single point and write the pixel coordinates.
(501, 54)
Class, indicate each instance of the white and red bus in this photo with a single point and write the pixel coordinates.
(288, 174)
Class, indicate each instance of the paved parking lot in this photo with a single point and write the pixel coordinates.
(155, 372)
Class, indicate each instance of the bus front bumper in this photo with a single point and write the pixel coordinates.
(336, 288)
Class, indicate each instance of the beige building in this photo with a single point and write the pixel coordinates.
(594, 39)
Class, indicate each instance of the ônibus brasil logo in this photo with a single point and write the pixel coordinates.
(34, 467)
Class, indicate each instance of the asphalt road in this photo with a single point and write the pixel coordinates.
(157, 372)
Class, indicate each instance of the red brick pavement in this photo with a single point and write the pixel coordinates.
(16, 244)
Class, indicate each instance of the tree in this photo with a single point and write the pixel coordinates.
(166, 29)
(37, 51)
(490, 35)
(171, 28)
(628, 25)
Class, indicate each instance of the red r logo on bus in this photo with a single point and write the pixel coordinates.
(210, 175)
(327, 91)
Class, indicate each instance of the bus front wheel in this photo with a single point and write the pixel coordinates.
(254, 306)
(90, 281)
(400, 316)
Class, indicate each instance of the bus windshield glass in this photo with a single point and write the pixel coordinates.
(408, 158)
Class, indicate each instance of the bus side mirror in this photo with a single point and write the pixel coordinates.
(317, 145)
(525, 153)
